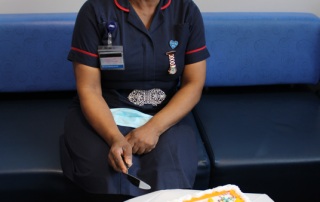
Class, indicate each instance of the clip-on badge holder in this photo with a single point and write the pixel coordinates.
(111, 57)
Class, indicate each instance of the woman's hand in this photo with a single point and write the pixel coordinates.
(143, 139)
(120, 147)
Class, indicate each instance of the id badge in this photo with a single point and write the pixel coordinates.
(111, 57)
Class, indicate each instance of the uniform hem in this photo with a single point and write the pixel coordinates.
(197, 56)
(193, 51)
(85, 52)
(75, 56)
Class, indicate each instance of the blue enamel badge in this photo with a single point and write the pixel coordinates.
(173, 44)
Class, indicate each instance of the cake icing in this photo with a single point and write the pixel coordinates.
(227, 193)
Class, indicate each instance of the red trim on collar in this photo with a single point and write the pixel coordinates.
(193, 51)
(127, 10)
(164, 7)
(124, 9)
(85, 52)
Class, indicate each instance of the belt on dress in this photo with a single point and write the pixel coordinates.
(153, 96)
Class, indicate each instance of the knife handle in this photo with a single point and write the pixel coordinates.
(125, 164)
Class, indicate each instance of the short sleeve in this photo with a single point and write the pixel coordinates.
(196, 50)
(86, 37)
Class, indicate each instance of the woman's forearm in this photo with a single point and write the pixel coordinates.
(98, 114)
(93, 106)
(192, 82)
(178, 107)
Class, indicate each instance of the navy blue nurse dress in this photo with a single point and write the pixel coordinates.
(84, 154)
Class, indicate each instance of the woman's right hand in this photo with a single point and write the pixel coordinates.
(120, 147)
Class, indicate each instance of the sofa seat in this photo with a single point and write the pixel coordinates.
(264, 142)
(29, 151)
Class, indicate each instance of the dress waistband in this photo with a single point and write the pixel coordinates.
(119, 99)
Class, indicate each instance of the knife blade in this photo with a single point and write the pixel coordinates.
(134, 180)
(137, 182)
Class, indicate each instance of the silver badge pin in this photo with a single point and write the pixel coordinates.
(172, 61)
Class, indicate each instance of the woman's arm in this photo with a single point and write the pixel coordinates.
(98, 114)
(145, 138)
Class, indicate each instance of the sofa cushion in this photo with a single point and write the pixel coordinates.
(29, 146)
(262, 48)
(34, 50)
(264, 142)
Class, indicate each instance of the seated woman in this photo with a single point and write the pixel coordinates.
(128, 104)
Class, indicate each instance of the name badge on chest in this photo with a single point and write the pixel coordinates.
(111, 57)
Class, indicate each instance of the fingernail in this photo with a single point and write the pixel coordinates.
(128, 163)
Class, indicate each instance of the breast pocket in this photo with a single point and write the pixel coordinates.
(111, 75)
(178, 35)
(181, 35)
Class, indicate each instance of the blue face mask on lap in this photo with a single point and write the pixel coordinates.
(129, 117)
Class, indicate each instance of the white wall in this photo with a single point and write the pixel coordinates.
(54, 6)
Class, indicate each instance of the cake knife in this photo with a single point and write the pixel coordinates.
(134, 180)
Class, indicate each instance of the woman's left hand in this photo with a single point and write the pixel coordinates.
(143, 139)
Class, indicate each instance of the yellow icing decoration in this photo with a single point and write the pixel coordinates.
(210, 200)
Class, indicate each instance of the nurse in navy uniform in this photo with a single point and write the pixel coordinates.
(135, 111)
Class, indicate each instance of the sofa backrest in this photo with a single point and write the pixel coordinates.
(245, 48)
(262, 48)
(33, 52)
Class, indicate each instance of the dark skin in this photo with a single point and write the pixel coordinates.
(145, 10)
(144, 139)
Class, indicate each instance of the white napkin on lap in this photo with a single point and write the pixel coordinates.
(171, 194)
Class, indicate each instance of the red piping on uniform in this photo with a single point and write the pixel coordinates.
(196, 50)
(85, 52)
(127, 10)
(164, 7)
(124, 9)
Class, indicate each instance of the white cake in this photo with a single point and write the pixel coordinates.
(227, 193)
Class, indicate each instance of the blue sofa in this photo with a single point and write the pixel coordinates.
(259, 116)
